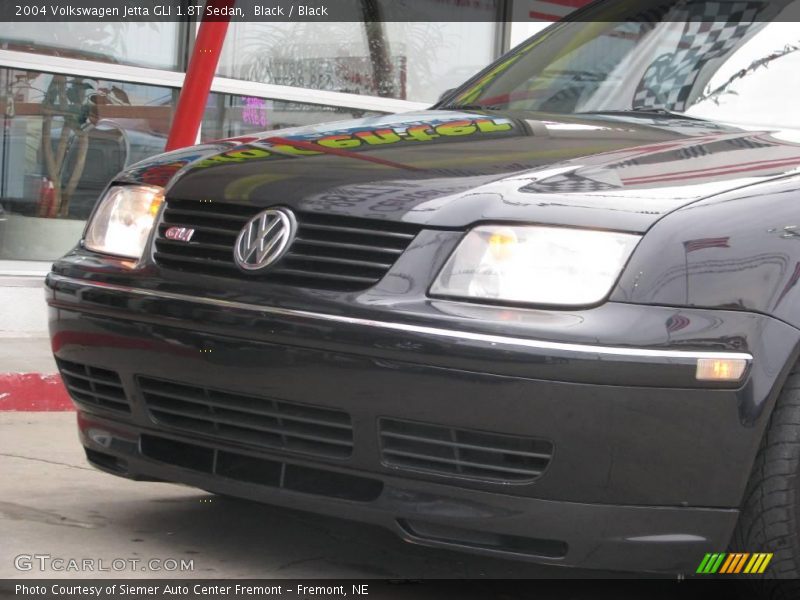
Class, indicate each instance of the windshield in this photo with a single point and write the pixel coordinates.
(736, 61)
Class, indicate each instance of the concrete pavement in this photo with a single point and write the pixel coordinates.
(26, 354)
(28, 379)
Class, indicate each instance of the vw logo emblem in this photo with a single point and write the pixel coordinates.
(264, 239)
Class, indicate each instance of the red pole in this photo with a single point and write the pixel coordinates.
(197, 84)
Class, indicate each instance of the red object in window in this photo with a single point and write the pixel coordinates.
(47, 198)
(197, 84)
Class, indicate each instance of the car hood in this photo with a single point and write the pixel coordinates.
(450, 169)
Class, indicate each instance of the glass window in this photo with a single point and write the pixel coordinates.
(757, 84)
(63, 139)
(406, 60)
(152, 44)
(740, 69)
(230, 116)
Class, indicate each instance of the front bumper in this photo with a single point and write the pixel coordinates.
(648, 467)
(598, 536)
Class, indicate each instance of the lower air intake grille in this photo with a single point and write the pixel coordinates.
(247, 419)
(330, 252)
(93, 387)
(260, 471)
(462, 452)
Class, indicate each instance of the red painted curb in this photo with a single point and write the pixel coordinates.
(33, 392)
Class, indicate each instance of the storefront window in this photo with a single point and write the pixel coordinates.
(153, 44)
(63, 139)
(227, 115)
(407, 60)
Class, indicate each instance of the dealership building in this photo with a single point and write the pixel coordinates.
(80, 101)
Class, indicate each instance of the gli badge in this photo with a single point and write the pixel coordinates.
(180, 234)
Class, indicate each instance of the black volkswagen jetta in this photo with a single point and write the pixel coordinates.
(555, 317)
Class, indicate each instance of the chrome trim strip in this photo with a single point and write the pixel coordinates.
(687, 355)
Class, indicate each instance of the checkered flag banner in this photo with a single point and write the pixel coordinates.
(703, 243)
(711, 30)
(568, 183)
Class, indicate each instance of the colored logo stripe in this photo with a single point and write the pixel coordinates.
(710, 563)
(729, 563)
(734, 563)
(763, 566)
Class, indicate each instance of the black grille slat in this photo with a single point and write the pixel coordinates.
(271, 423)
(248, 419)
(338, 261)
(90, 375)
(460, 463)
(93, 386)
(219, 418)
(331, 252)
(347, 246)
(336, 419)
(329, 270)
(212, 262)
(359, 230)
(323, 275)
(91, 399)
(388, 434)
(111, 397)
(462, 452)
(175, 245)
(317, 218)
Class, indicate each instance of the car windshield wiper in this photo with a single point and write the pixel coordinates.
(645, 112)
(470, 107)
(759, 63)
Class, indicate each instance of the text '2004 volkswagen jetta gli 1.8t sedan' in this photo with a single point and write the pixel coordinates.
(555, 317)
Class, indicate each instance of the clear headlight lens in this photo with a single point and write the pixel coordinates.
(535, 265)
(123, 220)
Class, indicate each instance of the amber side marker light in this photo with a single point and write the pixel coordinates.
(720, 369)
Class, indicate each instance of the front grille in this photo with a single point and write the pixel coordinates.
(462, 452)
(247, 419)
(329, 252)
(93, 387)
(261, 471)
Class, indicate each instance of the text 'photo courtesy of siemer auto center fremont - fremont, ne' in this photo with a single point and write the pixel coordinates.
(400, 298)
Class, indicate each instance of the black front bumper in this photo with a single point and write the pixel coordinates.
(648, 467)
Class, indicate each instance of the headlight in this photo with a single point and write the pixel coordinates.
(123, 220)
(535, 265)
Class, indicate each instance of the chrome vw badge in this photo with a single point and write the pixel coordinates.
(264, 239)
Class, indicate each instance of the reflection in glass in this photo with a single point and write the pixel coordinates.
(64, 138)
(152, 44)
(230, 116)
(413, 61)
(740, 68)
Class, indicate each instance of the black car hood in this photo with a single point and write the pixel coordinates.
(450, 169)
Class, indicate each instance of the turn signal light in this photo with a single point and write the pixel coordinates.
(720, 369)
